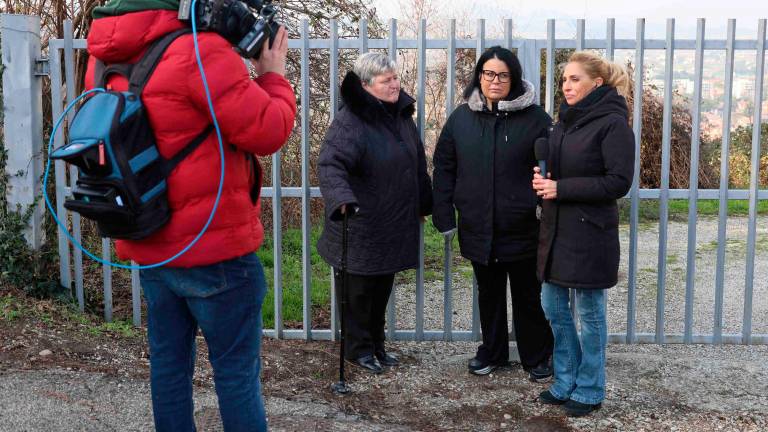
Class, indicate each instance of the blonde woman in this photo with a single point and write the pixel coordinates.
(591, 160)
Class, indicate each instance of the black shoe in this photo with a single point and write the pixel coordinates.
(578, 409)
(369, 362)
(542, 372)
(387, 359)
(548, 398)
(477, 367)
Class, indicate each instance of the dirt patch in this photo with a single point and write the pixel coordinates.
(545, 424)
(31, 344)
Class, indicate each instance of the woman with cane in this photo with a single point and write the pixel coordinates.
(372, 170)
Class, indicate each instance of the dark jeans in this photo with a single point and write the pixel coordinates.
(366, 304)
(532, 331)
(224, 300)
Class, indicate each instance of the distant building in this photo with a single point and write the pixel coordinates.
(712, 126)
(744, 87)
(684, 86)
(708, 89)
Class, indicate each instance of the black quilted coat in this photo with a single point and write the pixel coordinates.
(373, 160)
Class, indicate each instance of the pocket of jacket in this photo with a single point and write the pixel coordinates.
(596, 220)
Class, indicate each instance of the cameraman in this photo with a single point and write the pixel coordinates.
(218, 285)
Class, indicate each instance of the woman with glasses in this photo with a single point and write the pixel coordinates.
(372, 167)
(591, 155)
(482, 162)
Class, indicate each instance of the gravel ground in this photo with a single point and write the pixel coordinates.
(100, 383)
(704, 293)
(650, 388)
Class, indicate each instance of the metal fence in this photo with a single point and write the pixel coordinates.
(529, 51)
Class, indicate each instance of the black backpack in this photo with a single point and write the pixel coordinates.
(122, 176)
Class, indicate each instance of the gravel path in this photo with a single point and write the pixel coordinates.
(104, 387)
(650, 388)
(704, 294)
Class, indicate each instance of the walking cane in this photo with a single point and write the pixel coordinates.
(340, 387)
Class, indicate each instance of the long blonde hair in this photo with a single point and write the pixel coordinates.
(613, 74)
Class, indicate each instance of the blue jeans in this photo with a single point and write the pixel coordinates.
(579, 363)
(224, 300)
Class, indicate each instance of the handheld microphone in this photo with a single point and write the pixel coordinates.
(541, 150)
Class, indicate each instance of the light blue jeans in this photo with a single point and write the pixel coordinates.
(578, 362)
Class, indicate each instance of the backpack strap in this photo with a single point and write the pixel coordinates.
(171, 163)
(101, 72)
(143, 69)
(139, 76)
(256, 188)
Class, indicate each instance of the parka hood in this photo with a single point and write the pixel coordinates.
(365, 105)
(601, 102)
(476, 101)
(123, 38)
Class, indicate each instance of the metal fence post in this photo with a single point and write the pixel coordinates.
(23, 118)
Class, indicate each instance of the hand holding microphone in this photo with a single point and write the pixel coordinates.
(542, 184)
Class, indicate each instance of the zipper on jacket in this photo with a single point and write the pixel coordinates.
(493, 188)
(548, 262)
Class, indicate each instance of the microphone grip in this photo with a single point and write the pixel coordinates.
(543, 168)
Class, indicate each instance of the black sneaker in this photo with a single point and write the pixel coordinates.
(369, 363)
(578, 409)
(548, 398)
(542, 372)
(477, 367)
(386, 359)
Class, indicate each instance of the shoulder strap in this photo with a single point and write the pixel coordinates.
(139, 76)
(171, 163)
(143, 69)
(99, 80)
(101, 72)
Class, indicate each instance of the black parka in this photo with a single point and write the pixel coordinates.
(591, 155)
(483, 167)
(374, 162)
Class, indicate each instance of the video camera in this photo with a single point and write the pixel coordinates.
(246, 24)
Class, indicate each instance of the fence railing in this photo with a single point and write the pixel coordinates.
(529, 51)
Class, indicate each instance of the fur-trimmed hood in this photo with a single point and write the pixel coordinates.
(476, 101)
(365, 105)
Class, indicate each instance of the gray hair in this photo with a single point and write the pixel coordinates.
(371, 64)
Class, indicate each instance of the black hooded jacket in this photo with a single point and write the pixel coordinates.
(483, 167)
(374, 162)
(591, 156)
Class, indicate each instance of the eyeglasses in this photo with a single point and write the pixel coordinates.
(490, 75)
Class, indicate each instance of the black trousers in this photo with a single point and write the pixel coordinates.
(532, 330)
(366, 305)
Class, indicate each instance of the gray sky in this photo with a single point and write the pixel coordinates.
(530, 15)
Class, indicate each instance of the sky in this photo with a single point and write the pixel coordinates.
(529, 16)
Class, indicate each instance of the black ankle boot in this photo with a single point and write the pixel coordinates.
(387, 359)
(370, 363)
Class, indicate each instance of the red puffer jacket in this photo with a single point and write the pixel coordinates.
(254, 116)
